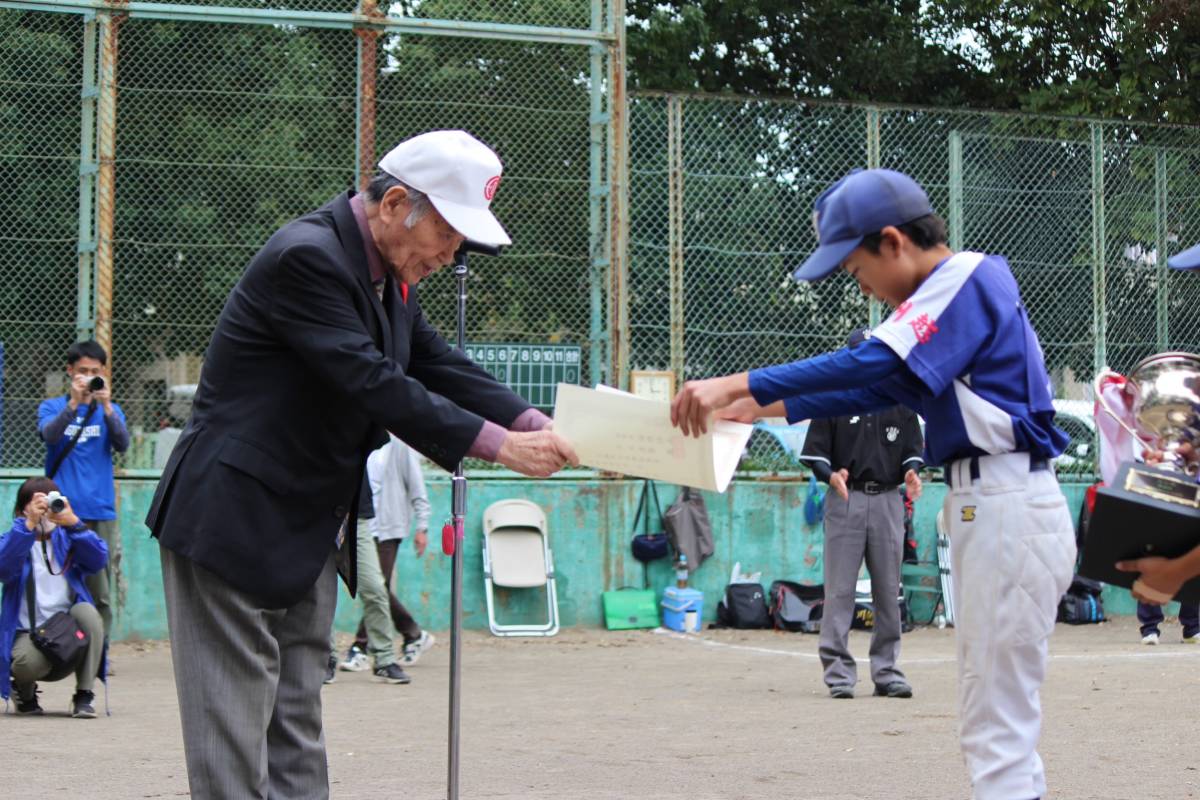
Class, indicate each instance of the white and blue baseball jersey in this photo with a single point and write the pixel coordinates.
(962, 354)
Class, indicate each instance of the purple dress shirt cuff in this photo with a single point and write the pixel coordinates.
(491, 436)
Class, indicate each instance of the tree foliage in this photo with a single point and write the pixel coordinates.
(1123, 59)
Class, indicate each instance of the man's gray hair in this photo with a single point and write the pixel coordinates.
(417, 200)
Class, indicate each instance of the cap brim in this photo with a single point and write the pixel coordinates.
(1188, 259)
(477, 224)
(825, 259)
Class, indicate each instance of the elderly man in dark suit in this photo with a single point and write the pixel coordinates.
(321, 349)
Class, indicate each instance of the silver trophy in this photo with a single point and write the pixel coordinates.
(1151, 509)
(1166, 406)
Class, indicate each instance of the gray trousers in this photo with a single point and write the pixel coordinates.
(870, 526)
(249, 685)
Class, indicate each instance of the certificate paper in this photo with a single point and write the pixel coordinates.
(617, 431)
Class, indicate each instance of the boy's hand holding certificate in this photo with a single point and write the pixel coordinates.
(617, 431)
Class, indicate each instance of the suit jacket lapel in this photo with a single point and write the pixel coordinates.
(352, 240)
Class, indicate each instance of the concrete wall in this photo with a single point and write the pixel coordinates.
(757, 522)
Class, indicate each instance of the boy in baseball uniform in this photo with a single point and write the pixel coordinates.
(959, 350)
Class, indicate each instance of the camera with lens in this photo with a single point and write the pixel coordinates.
(96, 383)
(57, 502)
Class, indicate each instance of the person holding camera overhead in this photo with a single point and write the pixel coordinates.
(44, 559)
(82, 430)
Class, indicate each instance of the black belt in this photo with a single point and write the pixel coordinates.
(1036, 464)
(872, 487)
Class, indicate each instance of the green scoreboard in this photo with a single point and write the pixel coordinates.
(531, 370)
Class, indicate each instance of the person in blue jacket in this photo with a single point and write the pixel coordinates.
(56, 551)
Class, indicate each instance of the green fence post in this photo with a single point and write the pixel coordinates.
(85, 324)
(956, 191)
(598, 188)
(1162, 322)
(874, 146)
(1099, 302)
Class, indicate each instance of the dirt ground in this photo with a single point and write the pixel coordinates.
(726, 714)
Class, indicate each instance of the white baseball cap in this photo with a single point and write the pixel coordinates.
(459, 173)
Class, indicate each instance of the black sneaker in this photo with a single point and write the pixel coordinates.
(893, 689)
(29, 707)
(392, 673)
(842, 691)
(81, 705)
(331, 669)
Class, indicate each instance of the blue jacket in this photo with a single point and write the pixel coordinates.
(88, 554)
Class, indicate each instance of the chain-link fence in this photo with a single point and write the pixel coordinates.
(218, 133)
(1085, 212)
(150, 148)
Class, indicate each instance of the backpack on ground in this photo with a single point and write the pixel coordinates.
(743, 606)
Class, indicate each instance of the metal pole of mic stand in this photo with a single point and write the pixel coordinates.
(456, 534)
(453, 534)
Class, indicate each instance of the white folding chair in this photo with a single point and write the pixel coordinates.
(943, 557)
(516, 555)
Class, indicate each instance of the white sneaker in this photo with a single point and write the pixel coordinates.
(1194, 639)
(1150, 638)
(414, 649)
(356, 661)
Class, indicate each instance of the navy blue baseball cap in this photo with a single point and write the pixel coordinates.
(860, 204)
(1188, 259)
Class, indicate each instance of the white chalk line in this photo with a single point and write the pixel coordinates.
(1194, 652)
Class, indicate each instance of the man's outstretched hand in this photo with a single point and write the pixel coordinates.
(538, 454)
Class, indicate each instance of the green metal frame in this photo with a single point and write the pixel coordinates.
(88, 168)
(323, 19)
(1099, 256)
(1161, 320)
(607, 122)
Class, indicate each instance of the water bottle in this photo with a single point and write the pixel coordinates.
(681, 572)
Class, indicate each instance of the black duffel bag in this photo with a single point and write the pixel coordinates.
(1081, 605)
(796, 606)
(743, 606)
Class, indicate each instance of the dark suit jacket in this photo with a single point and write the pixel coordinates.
(305, 370)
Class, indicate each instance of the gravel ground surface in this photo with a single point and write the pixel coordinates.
(650, 714)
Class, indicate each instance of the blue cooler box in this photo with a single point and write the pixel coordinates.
(681, 607)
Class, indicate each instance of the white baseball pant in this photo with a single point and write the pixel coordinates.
(1012, 547)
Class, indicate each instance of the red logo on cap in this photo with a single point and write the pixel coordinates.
(489, 189)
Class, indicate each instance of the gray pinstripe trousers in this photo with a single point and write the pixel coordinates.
(249, 685)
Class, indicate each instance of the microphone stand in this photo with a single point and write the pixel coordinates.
(453, 534)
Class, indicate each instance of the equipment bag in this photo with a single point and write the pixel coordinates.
(1081, 605)
(796, 607)
(743, 606)
(630, 608)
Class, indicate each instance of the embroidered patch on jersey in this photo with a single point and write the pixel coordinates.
(893, 433)
(924, 328)
(968, 513)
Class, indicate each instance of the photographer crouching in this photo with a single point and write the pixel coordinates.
(44, 559)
